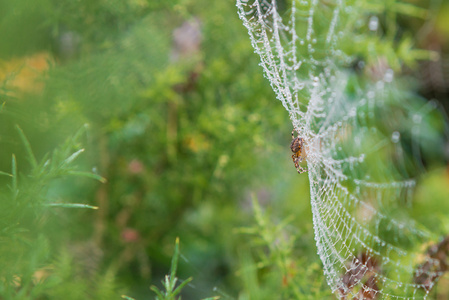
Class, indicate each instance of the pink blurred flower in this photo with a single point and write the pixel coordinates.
(135, 167)
(130, 235)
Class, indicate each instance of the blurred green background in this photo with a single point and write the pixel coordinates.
(182, 137)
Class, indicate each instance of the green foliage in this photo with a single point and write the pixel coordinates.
(170, 282)
(178, 143)
(24, 205)
(273, 268)
(171, 291)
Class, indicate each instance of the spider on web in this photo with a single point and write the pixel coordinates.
(298, 150)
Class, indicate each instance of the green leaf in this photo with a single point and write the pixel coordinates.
(80, 131)
(89, 175)
(72, 157)
(27, 145)
(71, 205)
(174, 264)
(168, 283)
(158, 293)
(411, 10)
(181, 286)
(14, 173)
(6, 174)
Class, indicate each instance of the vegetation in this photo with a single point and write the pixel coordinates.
(117, 136)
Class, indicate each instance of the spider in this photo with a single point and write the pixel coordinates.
(298, 150)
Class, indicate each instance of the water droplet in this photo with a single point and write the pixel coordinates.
(417, 118)
(361, 64)
(373, 23)
(361, 157)
(389, 74)
(433, 103)
(395, 137)
(380, 85)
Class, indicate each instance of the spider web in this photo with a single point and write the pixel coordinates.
(362, 144)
